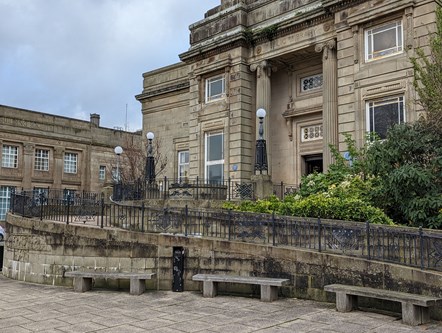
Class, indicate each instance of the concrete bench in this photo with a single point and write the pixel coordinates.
(269, 286)
(83, 280)
(415, 308)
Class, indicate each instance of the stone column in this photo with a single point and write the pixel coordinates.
(263, 183)
(27, 165)
(330, 98)
(58, 167)
(263, 100)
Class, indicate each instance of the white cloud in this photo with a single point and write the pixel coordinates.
(76, 57)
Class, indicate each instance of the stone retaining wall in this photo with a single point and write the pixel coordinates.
(41, 252)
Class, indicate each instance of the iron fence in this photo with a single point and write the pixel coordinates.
(281, 190)
(169, 188)
(401, 245)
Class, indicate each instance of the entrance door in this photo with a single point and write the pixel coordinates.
(313, 163)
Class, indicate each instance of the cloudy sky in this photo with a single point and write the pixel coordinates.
(77, 57)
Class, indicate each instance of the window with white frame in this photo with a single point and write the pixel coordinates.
(41, 160)
(311, 83)
(9, 156)
(183, 165)
(384, 40)
(215, 88)
(384, 113)
(102, 172)
(70, 162)
(214, 157)
(5, 198)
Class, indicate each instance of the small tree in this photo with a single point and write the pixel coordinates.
(408, 173)
(133, 160)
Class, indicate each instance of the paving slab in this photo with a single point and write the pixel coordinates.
(27, 307)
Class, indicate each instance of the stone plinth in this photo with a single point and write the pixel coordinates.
(263, 186)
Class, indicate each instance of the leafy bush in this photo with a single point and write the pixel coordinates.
(408, 170)
(320, 205)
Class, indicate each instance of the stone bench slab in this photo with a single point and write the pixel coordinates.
(83, 280)
(269, 286)
(415, 308)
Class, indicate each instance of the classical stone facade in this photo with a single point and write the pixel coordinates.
(319, 68)
(41, 151)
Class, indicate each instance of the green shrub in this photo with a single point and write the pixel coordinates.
(319, 205)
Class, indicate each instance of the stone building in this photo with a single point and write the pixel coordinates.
(319, 68)
(41, 151)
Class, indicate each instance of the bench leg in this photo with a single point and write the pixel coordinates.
(414, 315)
(137, 286)
(210, 288)
(345, 302)
(82, 284)
(269, 293)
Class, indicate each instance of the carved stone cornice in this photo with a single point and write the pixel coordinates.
(163, 90)
(292, 113)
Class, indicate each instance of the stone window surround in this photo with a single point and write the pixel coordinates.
(216, 68)
(209, 99)
(399, 26)
(380, 91)
(401, 99)
(371, 17)
(405, 15)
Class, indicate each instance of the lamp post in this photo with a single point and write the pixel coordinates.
(117, 191)
(118, 151)
(150, 161)
(261, 150)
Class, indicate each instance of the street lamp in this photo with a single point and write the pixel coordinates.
(150, 161)
(261, 150)
(118, 151)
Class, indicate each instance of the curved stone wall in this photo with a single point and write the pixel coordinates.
(41, 252)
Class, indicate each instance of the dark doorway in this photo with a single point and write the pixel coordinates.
(313, 163)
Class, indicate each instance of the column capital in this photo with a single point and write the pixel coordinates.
(265, 66)
(326, 47)
(28, 148)
(58, 152)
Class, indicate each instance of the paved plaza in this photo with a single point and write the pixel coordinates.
(26, 307)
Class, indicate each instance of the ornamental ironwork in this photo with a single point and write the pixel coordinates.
(243, 191)
(251, 228)
(166, 221)
(435, 254)
(343, 239)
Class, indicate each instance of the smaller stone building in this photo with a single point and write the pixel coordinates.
(42, 151)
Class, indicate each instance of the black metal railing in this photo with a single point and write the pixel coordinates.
(281, 190)
(401, 245)
(198, 189)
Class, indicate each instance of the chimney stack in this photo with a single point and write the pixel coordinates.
(95, 119)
